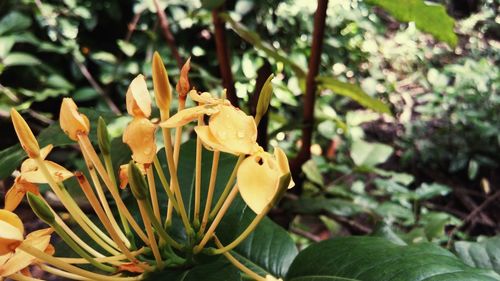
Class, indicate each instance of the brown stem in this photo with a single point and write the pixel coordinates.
(310, 95)
(262, 74)
(165, 27)
(223, 57)
(132, 25)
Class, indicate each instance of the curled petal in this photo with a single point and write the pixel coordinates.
(258, 178)
(206, 98)
(140, 137)
(11, 233)
(25, 135)
(21, 259)
(71, 121)
(283, 165)
(16, 193)
(138, 98)
(182, 86)
(235, 130)
(123, 174)
(185, 116)
(58, 172)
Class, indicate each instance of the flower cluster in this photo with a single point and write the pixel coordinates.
(125, 248)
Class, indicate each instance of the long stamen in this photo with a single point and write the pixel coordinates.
(151, 235)
(87, 189)
(69, 204)
(61, 273)
(111, 259)
(211, 188)
(227, 188)
(152, 191)
(232, 195)
(238, 264)
(87, 148)
(165, 185)
(197, 184)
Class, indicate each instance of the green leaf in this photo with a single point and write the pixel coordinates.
(428, 17)
(312, 172)
(13, 59)
(14, 22)
(369, 154)
(377, 259)
(6, 46)
(127, 47)
(313, 206)
(483, 254)
(354, 92)
(211, 4)
(218, 270)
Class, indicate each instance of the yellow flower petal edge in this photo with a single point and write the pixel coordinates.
(25, 135)
(16, 193)
(58, 172)
(11, 233)
(72, 122)
(140, 137)
(188, 115)
(137, 98)
(21, 259)
(283, 165)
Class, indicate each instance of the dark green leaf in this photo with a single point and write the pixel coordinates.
(482, 254)
(428, 17)
(218, 270)
(377, 259)
(14, 22)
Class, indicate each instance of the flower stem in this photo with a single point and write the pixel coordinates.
(216, 221)
(87, 148)
(227, 189)
(238, 264)
(159, 229)
(197, 184)
(152, 240)
(165, 184)
(211, 188)
(152, 191)
(61, 273)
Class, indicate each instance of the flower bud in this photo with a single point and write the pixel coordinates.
(161, 84)
(137, 181)
(25, 135)
(103, 136)
(72, 122)
(138, 99)
(41, 208)
(264, 98)
(182, 86)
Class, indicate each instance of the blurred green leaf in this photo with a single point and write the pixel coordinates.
(483, 254)
(312, 172)
(6, 46)
(85, 94)
(211, 4)
(127, 48)
(473, 168)
(354, 92)
(428, 17)
(14, 22)
(369, 154)
(14, 59)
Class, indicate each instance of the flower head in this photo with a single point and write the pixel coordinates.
(72, 122)
(258, 178)
(138, 98)
(31, 173)
(140, 137)
(25, 135)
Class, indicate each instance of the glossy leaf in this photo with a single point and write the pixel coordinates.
(428, 17)
(354, 92)
(377, 259)
(482, 254)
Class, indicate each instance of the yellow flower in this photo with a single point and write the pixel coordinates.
(140, 137)
(25, 135)
(138, 98)
(258, 178)
(229, 129)
(31, 173)
(123, 174)
(11, 231)
(19, 260)
(15, 194)
(72, 122)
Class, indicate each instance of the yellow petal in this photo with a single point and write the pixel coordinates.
(58, 172)
(235, 130)
(206, 98)
(15, 194)
(21, 259)
(257, 178)
(72, 122)
(39, 233)
(30, 164)
(283, 165)
(187, 115)
(138, 98)
(209, 140)
(11, 231)
(140, 137)
(182, 86)
(272, 278)
(25, 135)
(5, 258)
(161, 84)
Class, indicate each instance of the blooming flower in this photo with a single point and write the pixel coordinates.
(71, 121)
(258, 178)
(12, 230)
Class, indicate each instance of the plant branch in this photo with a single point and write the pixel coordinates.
(169, 37)
(223, 57)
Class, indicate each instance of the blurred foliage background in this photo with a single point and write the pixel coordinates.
(406, 131)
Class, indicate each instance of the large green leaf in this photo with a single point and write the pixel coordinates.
(428, 17)
(354, 92)
(482, 254)
(377, 259)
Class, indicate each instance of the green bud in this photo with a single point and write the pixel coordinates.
(40, 208)
(103, 136)
(136, 181)
(264, 98)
